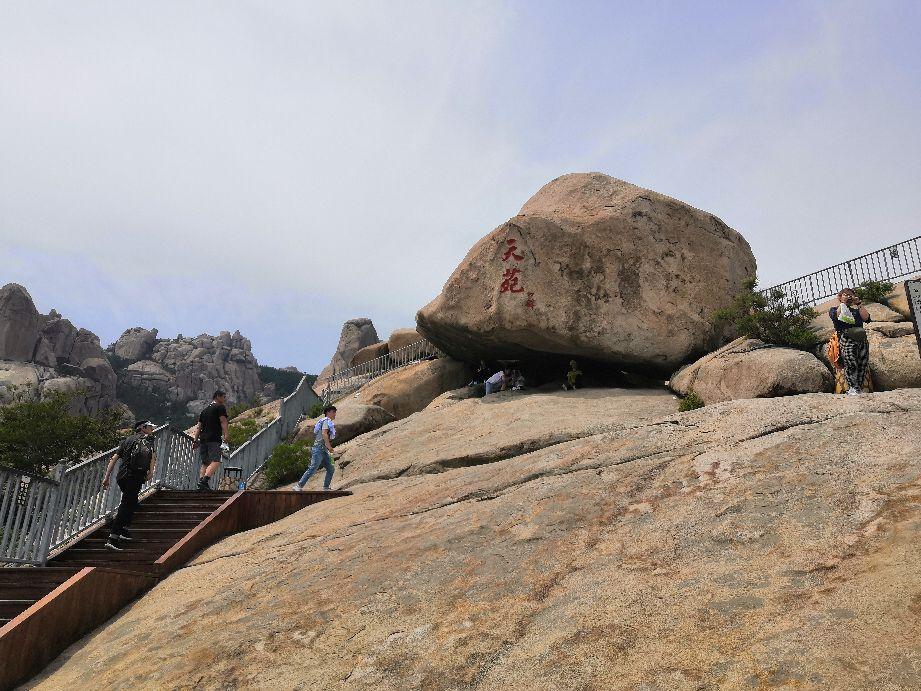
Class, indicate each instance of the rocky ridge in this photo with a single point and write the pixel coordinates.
(41, 354)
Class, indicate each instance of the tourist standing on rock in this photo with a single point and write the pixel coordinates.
(853, 348)
(322, 453)
(211, 438)
(499, 381)
(139, 460)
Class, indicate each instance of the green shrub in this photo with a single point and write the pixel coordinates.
(237, 408)
(37, 435)
(874, 291)
(316, 410)
(241, 432)
(772, 318)
(287, 462)
(285, 382)
(690, 402)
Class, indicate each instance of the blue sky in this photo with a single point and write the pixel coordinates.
(281, 167)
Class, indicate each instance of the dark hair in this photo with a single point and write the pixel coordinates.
(218, 394)
(329, 409)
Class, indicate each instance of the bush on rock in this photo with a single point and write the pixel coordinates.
(773, 318)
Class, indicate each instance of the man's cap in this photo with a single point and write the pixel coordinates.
(143, 423)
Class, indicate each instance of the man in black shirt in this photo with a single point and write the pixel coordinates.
(211, 438)
(138, 461)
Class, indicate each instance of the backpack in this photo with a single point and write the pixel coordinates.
(136, 462)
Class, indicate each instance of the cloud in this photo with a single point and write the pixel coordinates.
(281, 167)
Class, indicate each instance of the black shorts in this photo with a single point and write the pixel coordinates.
(210, 452)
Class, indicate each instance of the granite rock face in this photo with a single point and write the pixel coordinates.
(356, 334)
(737, 546)
(50, 348)
(592, 267)
(749, 368)
(135, 344)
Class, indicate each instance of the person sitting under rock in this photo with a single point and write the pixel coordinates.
(853, 348)
(573, 377)
(500, 381)
(322, 453)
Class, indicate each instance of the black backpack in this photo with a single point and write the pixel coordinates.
(135, 462)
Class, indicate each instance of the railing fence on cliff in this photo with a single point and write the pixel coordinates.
(887, 264)
(345, 381)
(39, 516)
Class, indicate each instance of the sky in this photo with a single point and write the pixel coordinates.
(281, 167)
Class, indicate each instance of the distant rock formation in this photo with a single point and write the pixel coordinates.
(43, 354)
(356, 334)
(188, 370)
(592, 267)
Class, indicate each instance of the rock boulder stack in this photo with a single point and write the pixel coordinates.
(356, 334)
(597, 268)
(43, 354)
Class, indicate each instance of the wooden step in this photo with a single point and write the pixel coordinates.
(37, 576)
(10, 608)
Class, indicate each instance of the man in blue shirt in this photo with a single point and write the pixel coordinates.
(321, 454)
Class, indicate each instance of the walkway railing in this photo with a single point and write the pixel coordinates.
(39, 516)
(344, 382)
(887, 264)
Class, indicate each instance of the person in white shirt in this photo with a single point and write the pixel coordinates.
(321, 454)
(498, 382)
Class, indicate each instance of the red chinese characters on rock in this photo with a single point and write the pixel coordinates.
(513, 276)
(510, 282)
(510, 253)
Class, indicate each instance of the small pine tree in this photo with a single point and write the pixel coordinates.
(874, 291)
(690, 402)
(772, 317)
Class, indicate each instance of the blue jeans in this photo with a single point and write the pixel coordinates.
(319, 455)
(493, 388)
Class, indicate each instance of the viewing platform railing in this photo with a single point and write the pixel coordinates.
(887, 264)
(348, 380)
(40, 516)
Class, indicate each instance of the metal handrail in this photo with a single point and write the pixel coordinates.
(886, 264)
(345, 381)
(40, 516)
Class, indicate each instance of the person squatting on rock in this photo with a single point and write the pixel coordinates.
(853, 348)
(573, 377)
(500, 381)
(211, 438)
(322, 453)
(139, 460)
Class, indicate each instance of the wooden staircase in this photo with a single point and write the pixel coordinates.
(45, 609)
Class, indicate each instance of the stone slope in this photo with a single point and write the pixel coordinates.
(737, 546)
(453, 432)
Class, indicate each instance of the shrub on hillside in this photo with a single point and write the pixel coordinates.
(690, 402)
(772, 318)
(316, 410)
(241, 432)
(285, 382)
(236, 409)
(37, 435)
(874, 291)
(287, 462)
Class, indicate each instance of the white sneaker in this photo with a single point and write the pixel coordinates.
(296, 487)
(853, 392)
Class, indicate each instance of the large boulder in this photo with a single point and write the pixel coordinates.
(895, 362)
(86, 346)
(898, 300)
(400, 338)
(19, 323)
(352, 420)
(100, 371)
(356, 334)
(750, 545)
(749, 368)
(61, 334)
(368, 353)
(409, 389)
(592, 267)
(147, 375)
(20, 381)
(135, 344)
